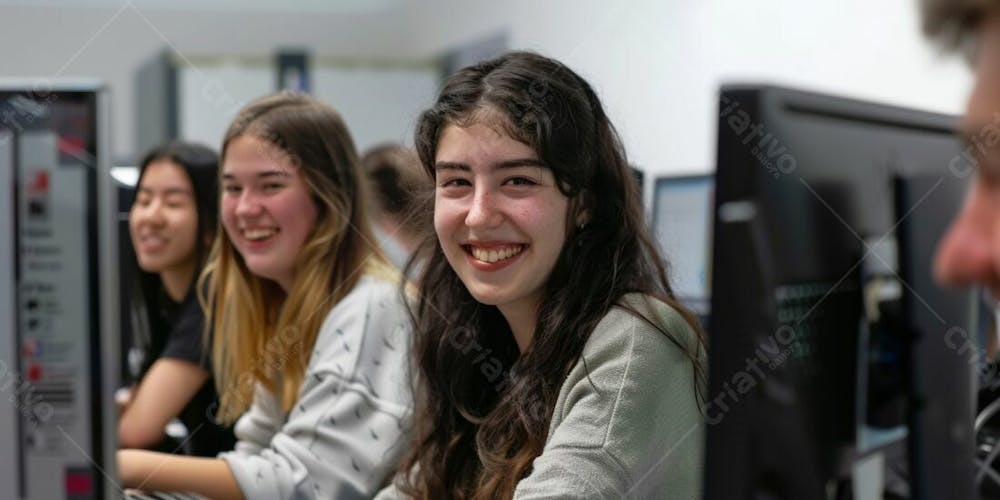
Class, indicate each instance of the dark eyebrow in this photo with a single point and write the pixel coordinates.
(166, 192)
(450, 165)
(520, 162)
(170, 191)
(260, 175)
(515, 163)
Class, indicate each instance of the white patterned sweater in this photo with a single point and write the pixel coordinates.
(351, 423)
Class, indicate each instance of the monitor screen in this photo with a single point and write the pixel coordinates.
(826, 368)
(682, 208)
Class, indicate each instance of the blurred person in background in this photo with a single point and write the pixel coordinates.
(397, 186)
(969, 253)
(172, 223)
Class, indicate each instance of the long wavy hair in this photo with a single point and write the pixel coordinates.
(475, 437)
(260, 333)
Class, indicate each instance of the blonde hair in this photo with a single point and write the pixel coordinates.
(259, 333)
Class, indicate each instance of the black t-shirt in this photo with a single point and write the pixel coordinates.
(177, 334)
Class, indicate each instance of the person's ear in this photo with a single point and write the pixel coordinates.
(581, 205)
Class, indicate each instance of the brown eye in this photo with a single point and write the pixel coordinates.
(176, 202)
(455, 183)
(520, 181)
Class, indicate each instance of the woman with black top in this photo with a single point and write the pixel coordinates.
(172, 223)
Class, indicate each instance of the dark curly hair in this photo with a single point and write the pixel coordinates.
(476, 436)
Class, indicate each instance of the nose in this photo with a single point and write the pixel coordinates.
(970, 251)
(151, 213)
(484, 211)
(247, 204)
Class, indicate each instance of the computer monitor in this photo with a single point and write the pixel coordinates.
(822, 365)
(682, 222)
(58, 295)
(940, 320)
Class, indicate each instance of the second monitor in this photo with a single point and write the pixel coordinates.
(682, 222)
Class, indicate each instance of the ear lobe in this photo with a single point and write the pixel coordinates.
(583, 217)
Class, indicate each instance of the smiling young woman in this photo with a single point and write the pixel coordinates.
(172, 222)
(500, 220)
(310, 342)
(267, 209)
(553, 359)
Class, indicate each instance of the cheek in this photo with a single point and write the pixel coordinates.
(439, 223)
(189, 229)
(301, 214)
(446, 218)
(227, 213)
(133, 223)
(551, 221)
(548, 216)
(311, 212)
(443, 234)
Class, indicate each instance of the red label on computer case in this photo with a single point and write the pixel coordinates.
(79, 484)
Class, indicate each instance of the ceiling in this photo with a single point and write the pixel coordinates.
(241, 6)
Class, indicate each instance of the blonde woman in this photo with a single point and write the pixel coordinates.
(310, 332)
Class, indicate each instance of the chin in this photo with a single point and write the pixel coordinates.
(258, 270)
(263, 274)
(486, 297)
(150, 267)
(486, 301)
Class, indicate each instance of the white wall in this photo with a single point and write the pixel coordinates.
(380, 103)
(110, 43)
(658, 63)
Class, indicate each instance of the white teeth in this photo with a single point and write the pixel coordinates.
(258, 234)
(495, 255)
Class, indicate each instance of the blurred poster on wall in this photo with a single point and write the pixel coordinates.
(293, 71)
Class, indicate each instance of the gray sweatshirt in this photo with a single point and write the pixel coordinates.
(626, 422)
(351, 423)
